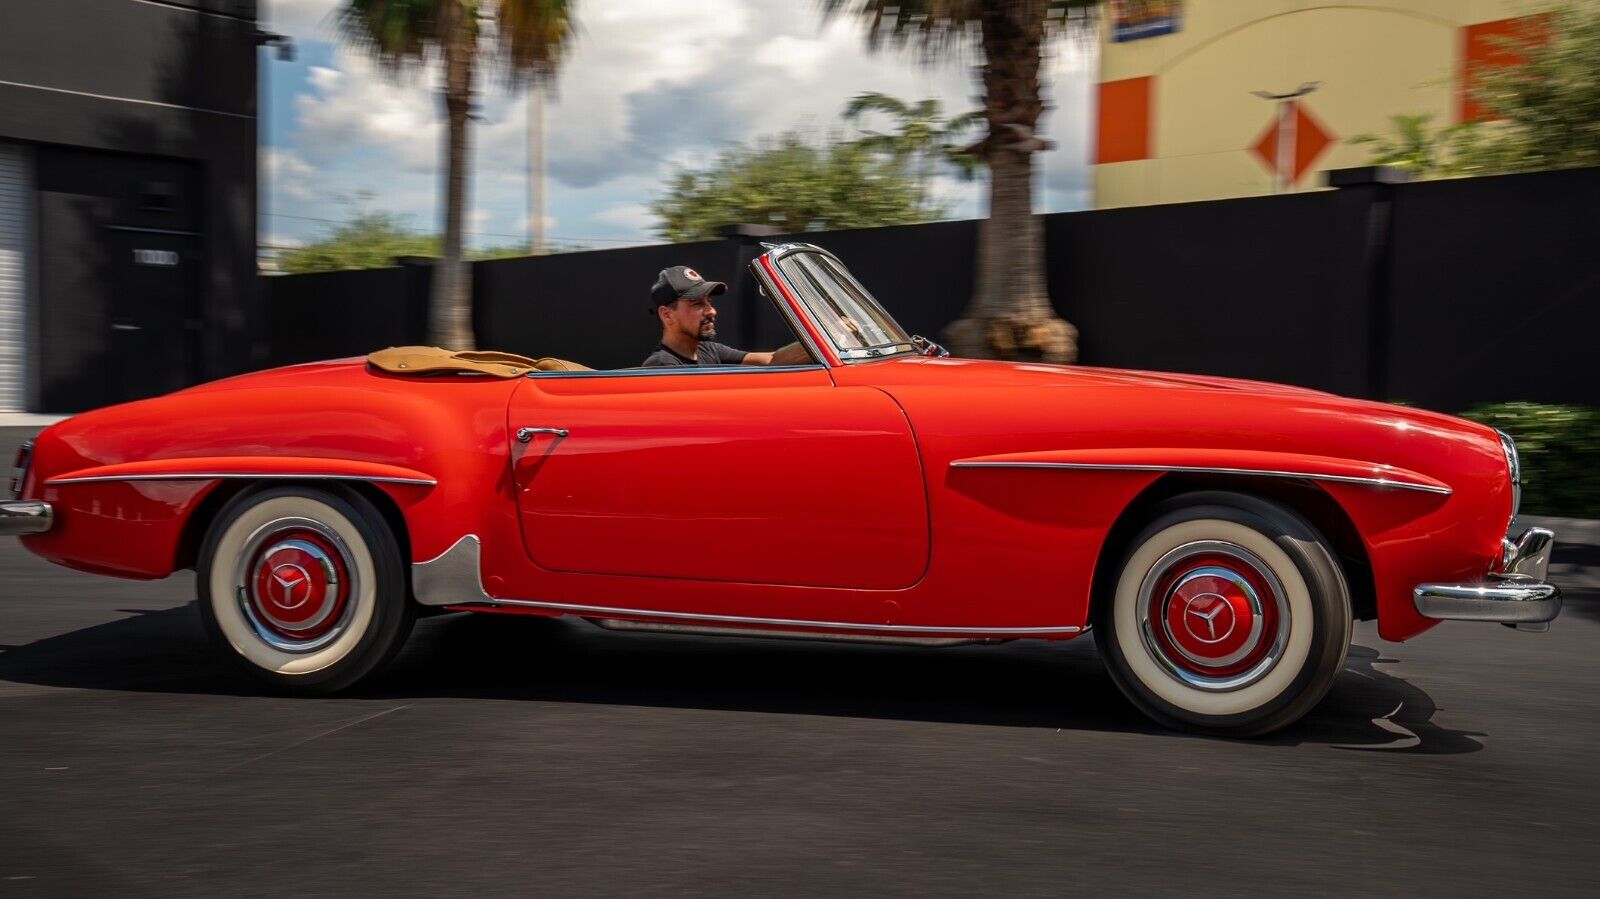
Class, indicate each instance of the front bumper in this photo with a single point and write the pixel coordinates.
(25, 517)
(1516, 595)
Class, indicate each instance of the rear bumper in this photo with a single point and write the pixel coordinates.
(25, 517)
(1517, 595)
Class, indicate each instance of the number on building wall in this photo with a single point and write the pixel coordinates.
(155, 257)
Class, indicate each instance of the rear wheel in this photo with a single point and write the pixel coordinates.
(1229, 614)
(304, 587)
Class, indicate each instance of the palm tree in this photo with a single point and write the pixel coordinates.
(1010, 315)
(529, 38)
(922, 139)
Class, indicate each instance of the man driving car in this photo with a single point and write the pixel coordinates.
(681, 301)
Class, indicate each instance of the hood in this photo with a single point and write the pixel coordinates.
(1127, 403)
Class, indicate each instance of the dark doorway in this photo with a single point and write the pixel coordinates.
(119, 259)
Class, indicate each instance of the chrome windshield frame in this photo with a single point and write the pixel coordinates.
(846, 355)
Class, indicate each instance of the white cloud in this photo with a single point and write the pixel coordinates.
(633, 216)
(647, 86)
(360, 106)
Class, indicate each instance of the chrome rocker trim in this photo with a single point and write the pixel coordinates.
(1376, 483)
(1517, 595)
(25, 517)
(453, 579)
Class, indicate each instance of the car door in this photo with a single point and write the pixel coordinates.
(734, 473)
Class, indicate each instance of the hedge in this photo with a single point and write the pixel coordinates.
(1559, 447)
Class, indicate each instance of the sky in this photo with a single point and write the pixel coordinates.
(649, 87)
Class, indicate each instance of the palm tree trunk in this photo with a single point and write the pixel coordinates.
(450, 312)
(1010, 316)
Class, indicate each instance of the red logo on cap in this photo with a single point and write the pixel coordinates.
(691, 274)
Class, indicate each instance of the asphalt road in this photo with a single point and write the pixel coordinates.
(516, 756)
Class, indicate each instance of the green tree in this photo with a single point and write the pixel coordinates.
(1546, 108)
(793, 184)
(1413, 146)
(923, 138)
(372, 240)
(1010, 315)
(369, 240)
(529, 39)
(1543, 110)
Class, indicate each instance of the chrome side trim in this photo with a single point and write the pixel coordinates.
(452, 577)
(1377, 483)
(656, 627)
(26, 517)
(215, 475)
(603, 611)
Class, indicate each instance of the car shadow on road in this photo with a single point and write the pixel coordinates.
(1021, 684)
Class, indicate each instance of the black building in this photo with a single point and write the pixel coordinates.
(127, 198)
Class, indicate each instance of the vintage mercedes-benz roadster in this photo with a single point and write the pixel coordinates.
(1219, 537)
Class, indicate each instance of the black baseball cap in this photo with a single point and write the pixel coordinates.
(681, 283)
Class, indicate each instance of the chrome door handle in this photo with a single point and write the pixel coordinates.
(526, 434)
(118, 326)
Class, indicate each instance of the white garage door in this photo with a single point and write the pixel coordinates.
(14, 194)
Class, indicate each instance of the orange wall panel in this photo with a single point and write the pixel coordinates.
(1123, 132)
(1492, 45)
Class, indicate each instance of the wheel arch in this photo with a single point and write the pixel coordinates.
(1304, 496)
(205, 514)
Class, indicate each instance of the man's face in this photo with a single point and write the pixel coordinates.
(695, 319)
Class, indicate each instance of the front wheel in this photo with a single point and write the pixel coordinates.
(1229, 615)
(305, 587)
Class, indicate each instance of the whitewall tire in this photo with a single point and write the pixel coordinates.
(1228, 613)
(304, 587)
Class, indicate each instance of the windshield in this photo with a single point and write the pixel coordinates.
(851, 318)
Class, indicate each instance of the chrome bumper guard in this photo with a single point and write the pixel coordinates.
(1516, 596)
(28, 517)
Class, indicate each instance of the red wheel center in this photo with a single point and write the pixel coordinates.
(1215, 616)
(1210, 617)
(299, 585)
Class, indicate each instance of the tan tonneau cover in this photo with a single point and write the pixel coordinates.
(422, 360)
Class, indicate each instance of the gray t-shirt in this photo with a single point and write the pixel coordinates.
(708, 354)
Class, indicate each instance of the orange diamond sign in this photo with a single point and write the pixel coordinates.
(1308, 137)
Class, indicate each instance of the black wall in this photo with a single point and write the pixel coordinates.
(592, 308)
(1496, 290)
(154, 89)
(1238, 287)
(1444, 294)
(337, 314)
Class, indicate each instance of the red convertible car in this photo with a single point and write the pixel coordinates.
(1217, 536)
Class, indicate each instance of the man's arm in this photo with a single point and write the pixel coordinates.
(793, 354)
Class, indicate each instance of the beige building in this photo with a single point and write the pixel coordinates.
(1181, 116)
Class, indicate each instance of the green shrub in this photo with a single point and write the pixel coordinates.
(1559, 447)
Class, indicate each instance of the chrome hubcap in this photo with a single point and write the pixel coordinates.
(1213, 615)
(294, 581)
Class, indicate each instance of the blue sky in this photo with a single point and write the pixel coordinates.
(649, 87)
